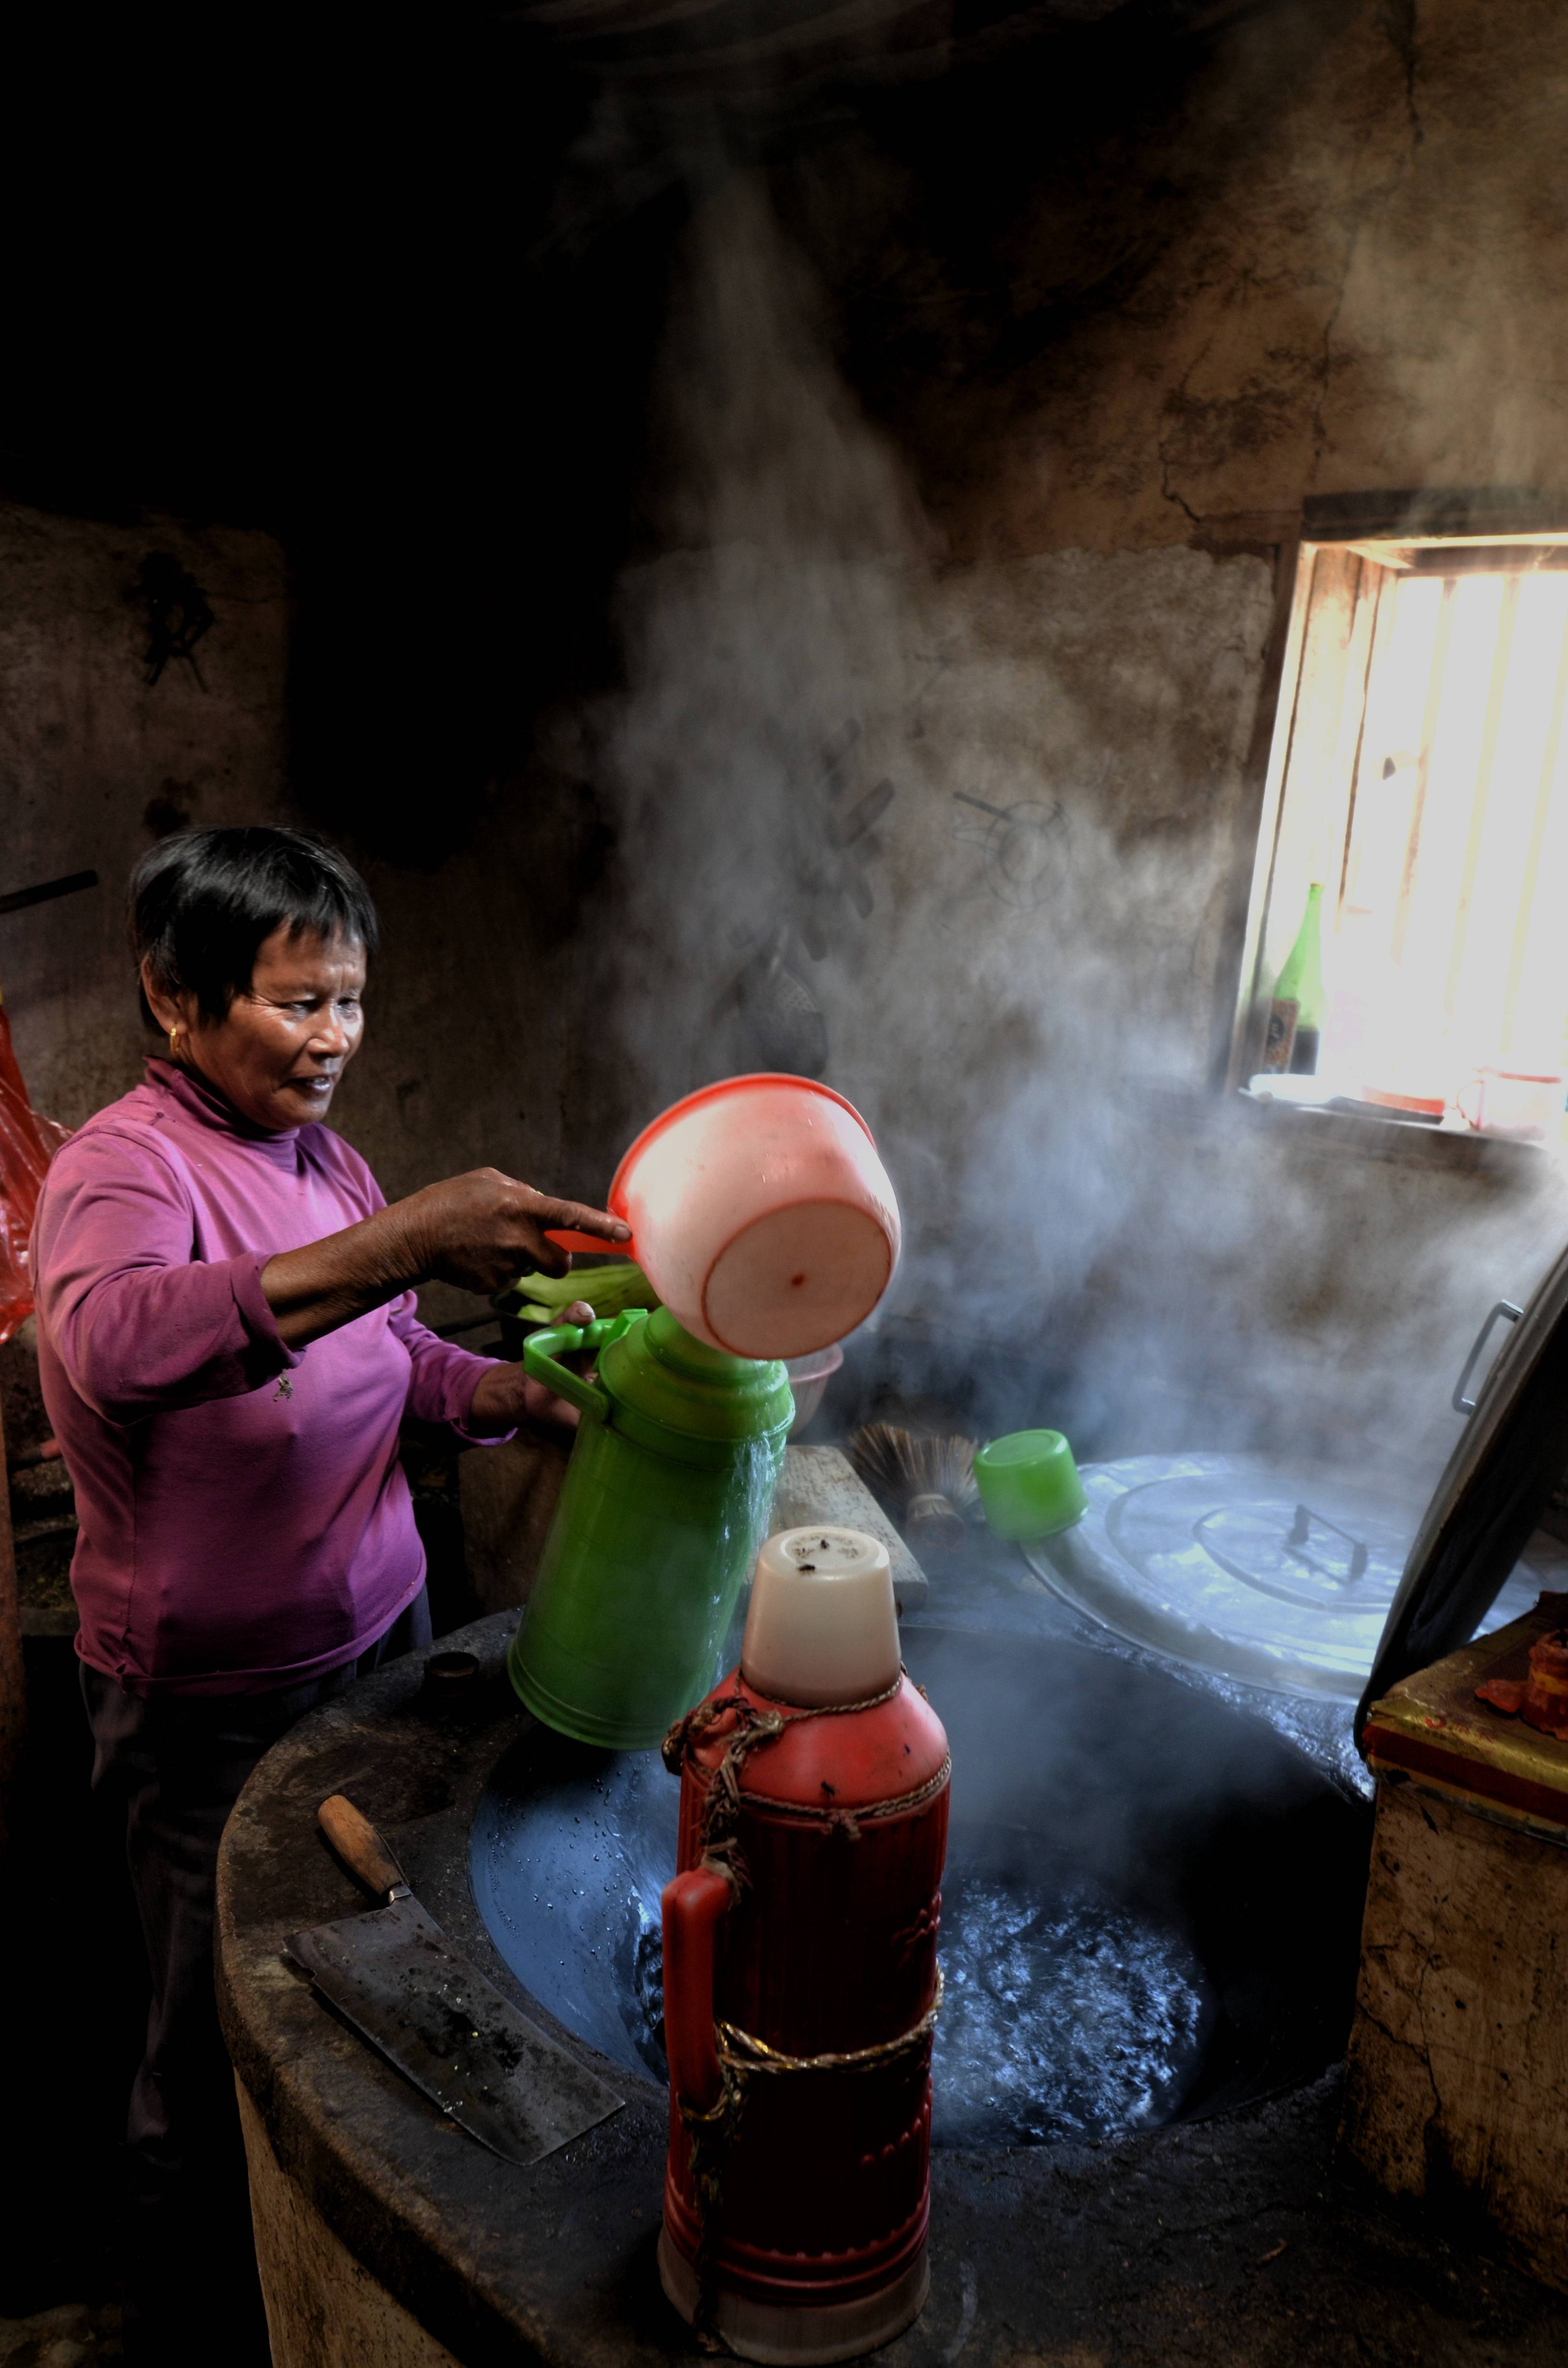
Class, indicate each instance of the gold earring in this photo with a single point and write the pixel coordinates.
(174, 1044)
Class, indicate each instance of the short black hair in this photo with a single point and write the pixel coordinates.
(203, 902)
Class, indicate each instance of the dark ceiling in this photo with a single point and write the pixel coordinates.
(392, 285)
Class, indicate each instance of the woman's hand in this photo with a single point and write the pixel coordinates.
(481, 1230)
(478, 1230)
(507, 1396)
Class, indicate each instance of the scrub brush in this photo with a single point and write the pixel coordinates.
(927, 1485)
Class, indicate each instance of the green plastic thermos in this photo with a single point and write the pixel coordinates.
(664, 1506)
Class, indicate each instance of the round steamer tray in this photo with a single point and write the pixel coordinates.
(1275, 1574)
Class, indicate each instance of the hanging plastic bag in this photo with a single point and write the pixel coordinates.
(28, 1143)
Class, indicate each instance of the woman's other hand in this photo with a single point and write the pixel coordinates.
(507, 1396)
(481, 1230)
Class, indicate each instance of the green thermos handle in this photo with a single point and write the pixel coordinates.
(540, 1351)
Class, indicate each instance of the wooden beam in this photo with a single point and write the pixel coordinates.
(1236, 1030)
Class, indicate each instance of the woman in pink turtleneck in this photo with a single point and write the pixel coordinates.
(228, 1346)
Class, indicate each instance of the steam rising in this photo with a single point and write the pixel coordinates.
(1026, 1011)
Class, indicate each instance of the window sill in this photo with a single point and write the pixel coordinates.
(1451, 1145)
(1324, 1134)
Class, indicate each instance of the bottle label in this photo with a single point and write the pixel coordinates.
(1280, 1041)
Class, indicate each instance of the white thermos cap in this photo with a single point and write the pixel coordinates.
(822, 1626)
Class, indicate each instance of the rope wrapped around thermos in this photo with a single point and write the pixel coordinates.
(742, 2056)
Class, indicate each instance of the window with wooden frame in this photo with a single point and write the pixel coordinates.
(1419, 772)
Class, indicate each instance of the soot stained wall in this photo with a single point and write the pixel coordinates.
(462, 1061)
(95, 760)
(994, 453)
(1037, 553)
(1330, 258)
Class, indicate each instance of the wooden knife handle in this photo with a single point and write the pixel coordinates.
(360, 1846)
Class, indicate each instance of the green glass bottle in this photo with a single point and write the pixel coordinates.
(1296, 1013)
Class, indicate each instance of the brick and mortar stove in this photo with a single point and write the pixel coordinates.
(1150, 1923)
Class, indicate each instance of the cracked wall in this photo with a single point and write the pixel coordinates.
(1113, 357)
(95, 762)
(1110, 347)
(1329, 258)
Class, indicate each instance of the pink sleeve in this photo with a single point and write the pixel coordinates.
(443, 1377)
(138, 1324)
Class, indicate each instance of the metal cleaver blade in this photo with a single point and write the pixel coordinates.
(393, 1975)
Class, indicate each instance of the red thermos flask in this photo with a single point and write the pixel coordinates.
(801, 1977)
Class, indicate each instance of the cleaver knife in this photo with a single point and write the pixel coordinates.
(394, 1976)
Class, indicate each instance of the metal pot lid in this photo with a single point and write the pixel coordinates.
(1278, 1574)
(1510, 1457)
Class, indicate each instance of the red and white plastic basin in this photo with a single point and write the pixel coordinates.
(761, 1215)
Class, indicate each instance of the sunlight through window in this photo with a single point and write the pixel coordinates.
(1421, 777)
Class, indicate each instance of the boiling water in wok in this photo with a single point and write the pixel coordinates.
(1151, 1905)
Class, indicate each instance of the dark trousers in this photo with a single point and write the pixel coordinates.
(173, 1767)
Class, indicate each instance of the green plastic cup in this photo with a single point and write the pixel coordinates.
(1028, 1485)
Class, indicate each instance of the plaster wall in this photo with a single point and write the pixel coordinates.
(462, 1065)
(94, 759)
(1330, 258)
(1036, 543)
(1006, 487)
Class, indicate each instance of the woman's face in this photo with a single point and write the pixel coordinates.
(285, 1040)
